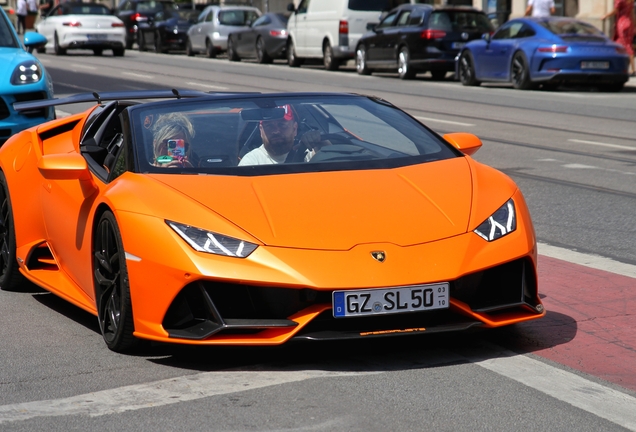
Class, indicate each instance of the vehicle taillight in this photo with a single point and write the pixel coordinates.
(135, 17)
(344, 27)
(117, 24)
(553, 49)
(432, 34)
(72, 24)
(278, 33)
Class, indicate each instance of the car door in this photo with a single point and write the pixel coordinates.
(498, 53)
(377, 42)
(300, 28)
(247, 38)
(196, 35)
(46, 27)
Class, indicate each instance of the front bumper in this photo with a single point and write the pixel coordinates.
(278, 294)
(92, 39)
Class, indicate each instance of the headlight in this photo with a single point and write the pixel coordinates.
(502, 222)
(206, 241)
(26, 73)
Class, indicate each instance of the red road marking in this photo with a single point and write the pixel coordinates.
(590, 325)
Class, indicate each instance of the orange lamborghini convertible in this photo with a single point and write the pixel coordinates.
(256, 219)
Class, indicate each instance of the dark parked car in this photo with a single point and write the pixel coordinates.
(265, 39)
(415, 38)
(137, 12)
(168, 30)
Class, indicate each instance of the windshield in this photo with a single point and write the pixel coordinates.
(85, 10)
(7, 39)
(266, 134)
(460, 21)
(237, 17)
(570, 27)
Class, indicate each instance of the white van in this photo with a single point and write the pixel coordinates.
(330, 29)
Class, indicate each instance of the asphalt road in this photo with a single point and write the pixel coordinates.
(572, 153)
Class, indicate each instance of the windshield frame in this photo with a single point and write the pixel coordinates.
(11, 40)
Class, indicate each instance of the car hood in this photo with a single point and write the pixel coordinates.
(339, 210)
(10, 58)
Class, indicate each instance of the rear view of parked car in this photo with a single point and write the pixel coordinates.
(419, 38)
(528, 52)
(167, 30)
(265, 39)
(137, 12)
(209, 34)
(83, 26)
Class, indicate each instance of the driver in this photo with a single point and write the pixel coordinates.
(278, 142)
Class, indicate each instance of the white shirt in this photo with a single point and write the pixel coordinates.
(260, 156)
(33, 5)
(22, 7)
(541, 8)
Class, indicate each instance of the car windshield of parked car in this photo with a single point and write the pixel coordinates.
(460, 21)
(151, 7)
(85, 9)
(7, 39)
(310, 133)
(371, 5)
(570, 27)
(237, 17)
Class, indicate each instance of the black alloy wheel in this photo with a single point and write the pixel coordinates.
(361, 61)
(331, 63)
(112, 290)
(519, 72)
(189, 50)
(261, 52)
(210, 51)
(292, 60)
(10, 276)
(404, 68)
(231, 51)
(56, 46)
(467, 70)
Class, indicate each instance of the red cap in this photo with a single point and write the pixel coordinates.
(289, 114)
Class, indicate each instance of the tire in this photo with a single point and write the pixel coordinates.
(141, 42)
(98, 51)
(210, 51)
(438, 75)
(292, 60)
(331, 63)
(56, 46)
(361, 61)
(231, 52)
(519, 73)
(10, 276)
(261, 52)
(404, 69)
(189, 50)
(159, 48)
(118, 52)
(466, 68)
(112, 290)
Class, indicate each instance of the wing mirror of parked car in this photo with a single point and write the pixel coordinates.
(486, 37)
(291, 7)
(34, 40)
(371, 26)
(464, 142)
(65, 166)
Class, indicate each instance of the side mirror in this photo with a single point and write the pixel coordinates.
(248, 23)
(291, 7)
(371, 26)
(66, 166)
(487, 37)
(464, 142)
(34, 40)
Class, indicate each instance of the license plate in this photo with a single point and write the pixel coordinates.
(595, 65)
(458, 45)
(96, 36)
(353, 303)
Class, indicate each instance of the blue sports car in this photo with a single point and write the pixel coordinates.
(549, 51)
(22, 78)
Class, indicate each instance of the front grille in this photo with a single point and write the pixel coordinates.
(33, 96)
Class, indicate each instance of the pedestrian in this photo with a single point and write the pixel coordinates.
(624, 27)
(21, 12)
(46, 7)
(540, 8)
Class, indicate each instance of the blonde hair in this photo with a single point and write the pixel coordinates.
(169, 125)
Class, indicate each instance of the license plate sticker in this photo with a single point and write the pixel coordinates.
(458, 45)
(355, 303)
(595, 65)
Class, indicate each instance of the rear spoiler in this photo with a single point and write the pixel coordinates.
(117, 95)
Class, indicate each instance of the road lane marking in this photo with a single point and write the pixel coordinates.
(160, 393)
(210, 86)
(600, 144)
(137, 75)
(578, 166)
(81, 66)
(565, 386)
(444, 121)
(588, 260)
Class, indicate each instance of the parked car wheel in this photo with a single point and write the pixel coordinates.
(210, 51)
(467, 70)
(261, 53)
(404, 69)
(292, 60)
(56, 46)
(331, 63)
(189, 51)
(10, 276)
(231, 52)
(361, 61)
(519, 73)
